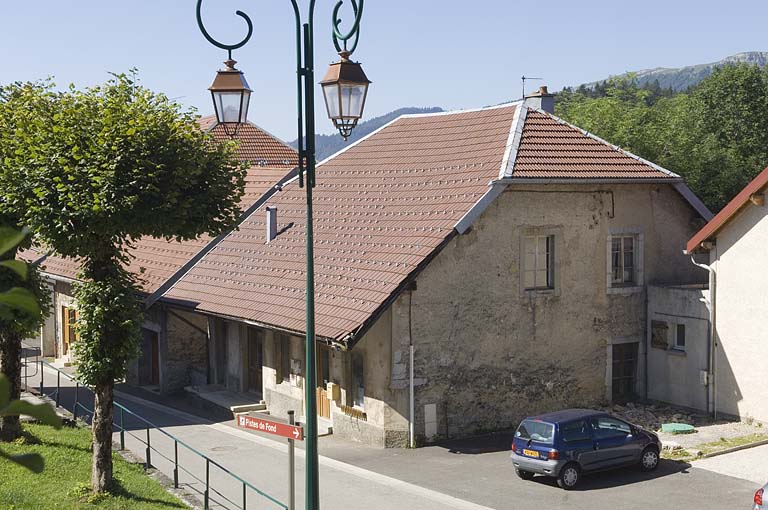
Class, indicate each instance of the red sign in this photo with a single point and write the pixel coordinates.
(271, 427)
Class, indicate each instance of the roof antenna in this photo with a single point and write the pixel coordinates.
(523, 78)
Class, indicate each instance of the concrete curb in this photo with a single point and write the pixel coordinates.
(735, 449)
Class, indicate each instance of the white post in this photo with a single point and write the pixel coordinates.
(412, 416)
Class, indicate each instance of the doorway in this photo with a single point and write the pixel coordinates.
(68, 334)
(323, 377)
(624, 371)
(149, 363)
(255, 360)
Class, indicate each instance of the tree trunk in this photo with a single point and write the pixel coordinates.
(101, 473)
(10, 366)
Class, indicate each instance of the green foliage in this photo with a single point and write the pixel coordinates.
(715, 135)
(91, 171)
(63, 484)
(108, 326)
(21, 290)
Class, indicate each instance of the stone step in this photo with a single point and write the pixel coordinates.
(248, 408)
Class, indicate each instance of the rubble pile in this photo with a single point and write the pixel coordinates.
(651, 416)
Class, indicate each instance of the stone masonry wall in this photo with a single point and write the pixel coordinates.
(487, 352)
(187, 362)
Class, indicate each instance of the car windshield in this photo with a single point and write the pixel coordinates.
(538, 431)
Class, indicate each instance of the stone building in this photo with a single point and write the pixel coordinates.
(501, 256)
(158, 263)
(712, 359)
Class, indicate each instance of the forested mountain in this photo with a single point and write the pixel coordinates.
(682, 78)
(326, 145)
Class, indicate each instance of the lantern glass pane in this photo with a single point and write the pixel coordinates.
(244, 111)
(332, 104)
(227, 106)
(352, 100)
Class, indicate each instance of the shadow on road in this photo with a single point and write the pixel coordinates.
(490, 443)
(619, 477)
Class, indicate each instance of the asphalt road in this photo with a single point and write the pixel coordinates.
(355, 476)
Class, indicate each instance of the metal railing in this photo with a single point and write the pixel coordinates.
(148, 426)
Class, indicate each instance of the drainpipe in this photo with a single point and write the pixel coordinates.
(712, 343)
(412, 403)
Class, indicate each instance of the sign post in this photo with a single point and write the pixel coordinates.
(291, 467)
(290, 431)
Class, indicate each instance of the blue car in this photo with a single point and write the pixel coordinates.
(565, 444)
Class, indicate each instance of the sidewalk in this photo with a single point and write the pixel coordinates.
(459, 475)
(262, 462)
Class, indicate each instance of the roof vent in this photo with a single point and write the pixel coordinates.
(271, 223)
(541, 99)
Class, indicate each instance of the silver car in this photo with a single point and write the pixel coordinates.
(762, 491)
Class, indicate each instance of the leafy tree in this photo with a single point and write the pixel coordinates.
(14, 300)
(91, 172)
(22, 299)
(715, 135)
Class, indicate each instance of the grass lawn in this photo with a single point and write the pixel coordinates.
(67, 473)
(714, 446)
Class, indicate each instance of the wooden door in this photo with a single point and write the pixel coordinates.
(255, 360)
(68, 321)
(323, 377)
(149, 362)
(624, 371)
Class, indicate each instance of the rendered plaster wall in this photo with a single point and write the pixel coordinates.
(287, 393)
(186, 350)
(740, 259)
(385, 403)
(674, 375)
(487, 352)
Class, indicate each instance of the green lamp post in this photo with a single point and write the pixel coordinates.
(345, 89)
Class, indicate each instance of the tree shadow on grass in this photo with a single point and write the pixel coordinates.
(119, 491)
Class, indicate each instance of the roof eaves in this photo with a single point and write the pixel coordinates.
(466, 221)
(350, 339)
(590, 180)
(728, 212)
(513, 142)
(186, 268)
(695, 201)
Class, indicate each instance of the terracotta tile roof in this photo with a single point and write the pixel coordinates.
(156, 260)
(727, 213)
(551, 148)
(381, 208)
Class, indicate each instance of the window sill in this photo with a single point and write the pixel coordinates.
(633, 289)
(540, 292)
(677, 352)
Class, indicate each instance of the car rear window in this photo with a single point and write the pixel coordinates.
(538, 431)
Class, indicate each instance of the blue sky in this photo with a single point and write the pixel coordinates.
(417, 53)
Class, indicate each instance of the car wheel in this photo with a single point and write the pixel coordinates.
(569, 476)
(649, 459)
(525, 475)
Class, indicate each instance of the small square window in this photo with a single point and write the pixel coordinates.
(539, 262)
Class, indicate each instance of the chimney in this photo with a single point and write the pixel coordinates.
(541, 99)
(271, 223)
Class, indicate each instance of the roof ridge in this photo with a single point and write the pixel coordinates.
(460, 111)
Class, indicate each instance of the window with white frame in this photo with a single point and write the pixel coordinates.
(539, 262)
(679, 343)
(624, 258)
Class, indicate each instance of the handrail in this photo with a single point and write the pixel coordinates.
(149, 425)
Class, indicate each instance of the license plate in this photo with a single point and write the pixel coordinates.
(531, 453)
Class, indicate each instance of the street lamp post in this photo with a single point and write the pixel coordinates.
(345, 88)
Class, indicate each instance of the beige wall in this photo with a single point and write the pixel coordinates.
(675, 375)
(739, 259)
